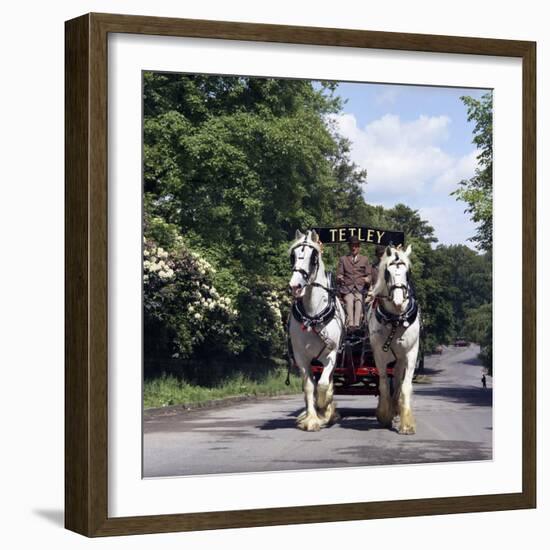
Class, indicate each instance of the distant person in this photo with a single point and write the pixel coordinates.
(484, 381)
(354, 278)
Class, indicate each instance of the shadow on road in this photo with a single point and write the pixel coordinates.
(281, 423)
(359, 419)
(476, 397)
(413, 451)
(350, 419)
(430, 371)
(472, 361)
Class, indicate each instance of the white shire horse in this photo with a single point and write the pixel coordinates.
(316, 328)
(394, 329)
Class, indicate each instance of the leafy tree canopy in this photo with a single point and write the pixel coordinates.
(237, 163)
(477, 192)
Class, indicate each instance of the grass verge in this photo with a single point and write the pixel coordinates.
(169, 390)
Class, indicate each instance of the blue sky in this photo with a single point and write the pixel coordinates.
(416, 144)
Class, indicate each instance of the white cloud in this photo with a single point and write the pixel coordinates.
(400, 157)
(406, 161)
(405, 157)
(463, 168)
(451, 224)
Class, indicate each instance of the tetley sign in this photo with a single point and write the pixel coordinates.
(369, 235)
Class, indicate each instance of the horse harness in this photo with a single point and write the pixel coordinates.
(405, 319)
(315, 322)
(394, 320)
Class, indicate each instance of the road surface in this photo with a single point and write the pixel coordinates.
(453, 416)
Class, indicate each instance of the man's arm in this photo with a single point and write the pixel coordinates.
(340, 270)
(368, 271)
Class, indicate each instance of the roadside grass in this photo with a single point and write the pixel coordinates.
(169, 390)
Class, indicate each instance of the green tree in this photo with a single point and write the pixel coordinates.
(242, 162)
(408, 220)
(466, 277)
(479, 329)
(234, 165)
(477, 192)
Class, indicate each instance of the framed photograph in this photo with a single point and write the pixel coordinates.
(299, 275)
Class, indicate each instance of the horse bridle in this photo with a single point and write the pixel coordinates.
(392, 288)
(313, 262)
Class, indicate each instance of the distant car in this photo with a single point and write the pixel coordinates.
(461, 343)
(438, 349)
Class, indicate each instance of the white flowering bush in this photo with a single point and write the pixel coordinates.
(182, 306)
(207, 318)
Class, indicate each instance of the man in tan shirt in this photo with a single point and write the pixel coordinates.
(354, 278)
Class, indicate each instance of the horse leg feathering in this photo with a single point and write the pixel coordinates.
(407, 423)
(326, 407)
(308, 419)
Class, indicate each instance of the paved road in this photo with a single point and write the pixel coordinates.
(453, 415)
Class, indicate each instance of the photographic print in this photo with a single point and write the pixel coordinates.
(317, 274)
(279, 258)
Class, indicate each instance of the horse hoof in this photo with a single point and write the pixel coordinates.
(386, 424)
(384, 420)
(309, 424)
(407, 430)
(329, 415)
(325, 422)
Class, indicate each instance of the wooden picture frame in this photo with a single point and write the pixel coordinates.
(86, 230)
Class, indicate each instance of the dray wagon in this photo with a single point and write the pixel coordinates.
(355, 372)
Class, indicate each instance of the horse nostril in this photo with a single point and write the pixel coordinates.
(295, 288)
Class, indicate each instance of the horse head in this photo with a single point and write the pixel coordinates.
(394, 272)
(304, 260)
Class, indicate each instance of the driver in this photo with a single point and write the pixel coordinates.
(354, 278)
